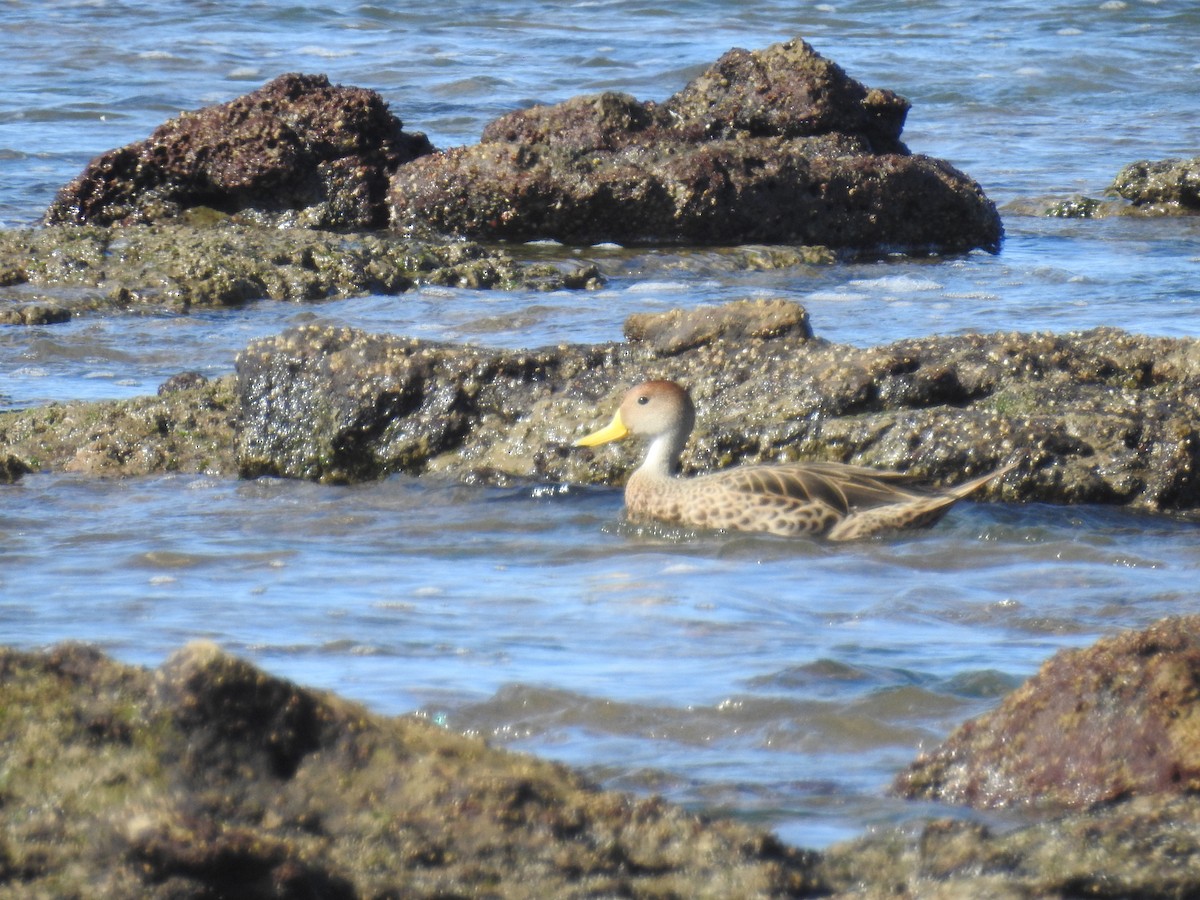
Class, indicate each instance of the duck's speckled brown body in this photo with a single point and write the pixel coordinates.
(841, 502)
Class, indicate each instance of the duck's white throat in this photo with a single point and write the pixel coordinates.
(662, 456)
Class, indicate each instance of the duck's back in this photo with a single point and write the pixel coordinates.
(807, 498)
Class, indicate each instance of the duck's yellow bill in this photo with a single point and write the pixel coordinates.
(613, 431)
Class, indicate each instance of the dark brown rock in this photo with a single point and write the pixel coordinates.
(1118, 719)
(788, 90)
(181, 382)
(12, 468)
(297, 151)
(772, 146)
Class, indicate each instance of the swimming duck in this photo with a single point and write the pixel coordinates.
(841, 502)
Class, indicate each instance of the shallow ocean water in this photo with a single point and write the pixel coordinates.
(782, 681)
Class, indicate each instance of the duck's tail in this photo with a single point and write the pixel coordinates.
(917, 513)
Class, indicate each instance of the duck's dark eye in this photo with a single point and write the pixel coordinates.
(643, 400)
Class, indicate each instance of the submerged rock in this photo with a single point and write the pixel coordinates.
(210, 778)
(12, 468)
(1115, 720)
(298, 151)
(1143, 847)
(1169, 187)
(774, 146)
(53, 273)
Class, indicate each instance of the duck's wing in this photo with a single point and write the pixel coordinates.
(842, 488)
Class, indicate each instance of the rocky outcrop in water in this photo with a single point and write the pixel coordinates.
(52, 274)
(1169, 186)
(1095, 417)
(298, 151)
(210, 778)
(773, 146)
(1101, 416)
(186, 430)
(1115, 720)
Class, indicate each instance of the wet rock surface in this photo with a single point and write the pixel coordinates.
(1141, 847)
(1094, 417)
(48, 275)
(1118, 719)
(298, 151)
(774, 146)
(1166, 186)
(1101, 416)
(210, 778)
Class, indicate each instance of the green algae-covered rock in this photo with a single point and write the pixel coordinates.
(210, 778)
(50, 274)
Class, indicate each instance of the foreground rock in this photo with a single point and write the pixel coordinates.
(1108, 732)
(1095, 417)
(298, 151)
(1146, 847)
(209, 778)
(1115, 720)
(52, 274)
(775, 146)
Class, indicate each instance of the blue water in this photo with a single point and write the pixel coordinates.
(783, 681)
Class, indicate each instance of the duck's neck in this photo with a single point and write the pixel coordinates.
(662, 456)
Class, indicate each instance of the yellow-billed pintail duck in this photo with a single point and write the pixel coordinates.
(841, 502)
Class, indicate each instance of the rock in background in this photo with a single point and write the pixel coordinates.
(298, 151)
(1169, 186)
(56, 273)
(773, 146)
(1166, 187)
